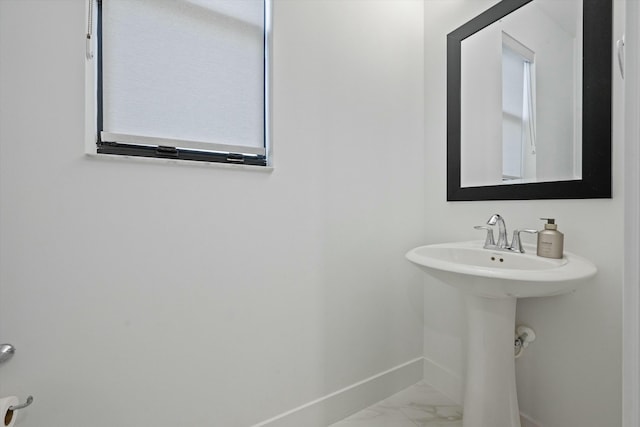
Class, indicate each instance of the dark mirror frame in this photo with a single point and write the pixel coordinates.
(596, 110)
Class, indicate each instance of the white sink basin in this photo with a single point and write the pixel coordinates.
(492, 281)
(496, 274)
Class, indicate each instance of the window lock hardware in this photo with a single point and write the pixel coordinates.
(164, 151)
(235, 158)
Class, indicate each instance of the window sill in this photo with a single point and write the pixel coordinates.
(189, 163)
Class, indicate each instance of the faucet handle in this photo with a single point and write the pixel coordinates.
(489, 240)
(516, 244)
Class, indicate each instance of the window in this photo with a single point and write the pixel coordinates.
(182, 79)
(518, 111)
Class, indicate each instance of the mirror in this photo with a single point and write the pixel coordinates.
(529, 102)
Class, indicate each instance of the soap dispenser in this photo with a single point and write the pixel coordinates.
(550, 240)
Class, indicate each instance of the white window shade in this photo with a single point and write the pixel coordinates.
(184, 73)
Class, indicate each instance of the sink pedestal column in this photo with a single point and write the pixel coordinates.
(490, 398)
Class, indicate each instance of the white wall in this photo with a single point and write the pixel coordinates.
(153, 294)
(570, 376)
(631, 292)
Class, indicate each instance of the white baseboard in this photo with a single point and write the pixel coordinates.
(445, 381)
(342, 403)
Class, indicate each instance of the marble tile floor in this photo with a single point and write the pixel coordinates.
(419, 405)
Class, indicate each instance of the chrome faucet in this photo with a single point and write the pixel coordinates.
(503, 240)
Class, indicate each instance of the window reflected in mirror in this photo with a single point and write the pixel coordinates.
(518, 111)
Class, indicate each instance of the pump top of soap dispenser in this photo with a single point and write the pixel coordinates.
(551, 224)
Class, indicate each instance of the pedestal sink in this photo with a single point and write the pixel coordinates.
(492, 281)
